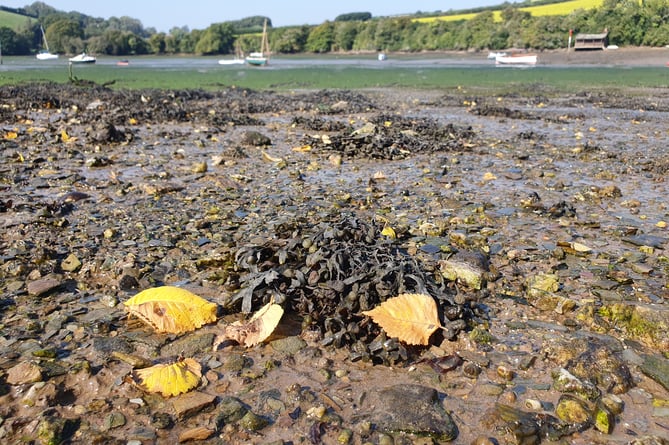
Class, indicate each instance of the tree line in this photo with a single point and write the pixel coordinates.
(629, 22)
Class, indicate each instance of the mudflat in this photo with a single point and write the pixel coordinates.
(537, 223)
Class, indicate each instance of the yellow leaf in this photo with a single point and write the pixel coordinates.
(389, 232)
(303, 148)
(256, 330)
(11, 135)
(133, 121)
(64, 136)
(170, 380)
(171, 309)
(487, 176)
(412, 318)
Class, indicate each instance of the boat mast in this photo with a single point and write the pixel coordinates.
(46, 44)
(264, 44)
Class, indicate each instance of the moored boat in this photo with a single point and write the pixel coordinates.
(260, 58)
(83, 58)
(517, 59)
(45, 54)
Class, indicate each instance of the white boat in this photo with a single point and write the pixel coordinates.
(45, 54)
(238, 60)
(492, 55)
(234, 61)
(260, 58)
(83, 58)
(517, 59)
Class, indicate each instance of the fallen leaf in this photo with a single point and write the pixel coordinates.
(389, 232)
(11, 135)
(170, 380)
(64, 136)
(171, 309)
(412, 318)
(256, 330)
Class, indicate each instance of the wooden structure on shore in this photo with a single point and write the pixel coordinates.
(591, 41)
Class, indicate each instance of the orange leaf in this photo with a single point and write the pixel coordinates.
(171, 309)
(412, 318)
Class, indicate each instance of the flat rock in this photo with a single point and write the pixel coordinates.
(43, 285)
(414, 409)
(192, 403)
(24, 372)
(657, 368)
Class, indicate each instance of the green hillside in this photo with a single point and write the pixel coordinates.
(13, 21)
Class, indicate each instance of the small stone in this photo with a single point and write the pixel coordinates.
(414, 409)
(199, 167)
(345, 436)
(604, 419)
(288, 345)
(197, 433)
(24, 372)
(113, 420)
(43, 285)
(572, 410)
(253, 422)
(192, 403)
(231, 410)
(71, 263)
(483, 440)
(161, 420)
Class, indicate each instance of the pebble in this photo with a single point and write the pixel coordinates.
(43, 285)
(192, 403)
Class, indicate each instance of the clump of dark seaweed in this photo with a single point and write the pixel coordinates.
(395, 137)
(330, 272)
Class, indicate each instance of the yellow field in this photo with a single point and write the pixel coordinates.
(563, 8)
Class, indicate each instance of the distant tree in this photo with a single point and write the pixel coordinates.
(157, 43)
(321, 38)
(217, 39)
(12, 43)
(250, 25)
(289, 40)
(354, 16)
(65, 36)
(344, 35)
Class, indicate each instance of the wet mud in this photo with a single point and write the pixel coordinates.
(538, 224)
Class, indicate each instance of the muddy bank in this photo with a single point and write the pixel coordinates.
(537, 224)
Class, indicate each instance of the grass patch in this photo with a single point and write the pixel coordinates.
(562, 8)
(14, 21)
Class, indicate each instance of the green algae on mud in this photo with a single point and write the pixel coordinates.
(481, 77)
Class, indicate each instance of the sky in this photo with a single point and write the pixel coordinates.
(199, 14)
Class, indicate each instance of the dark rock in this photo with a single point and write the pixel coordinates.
(189, 345)
(43, 285)
(256, 139)
(414, 409)
(657, 368)
(107, 345)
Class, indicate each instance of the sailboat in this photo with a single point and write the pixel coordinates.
(239, 59)
(45, 54)
(261, 58)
